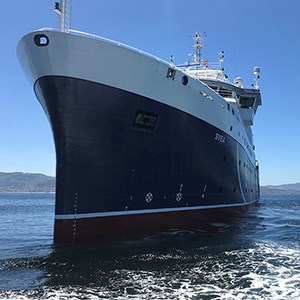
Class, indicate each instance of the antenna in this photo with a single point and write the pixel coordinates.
(171, 59)
(198, 46)
(256, 72)
(221, 60)
(63, 9)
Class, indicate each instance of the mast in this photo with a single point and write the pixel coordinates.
(198, 46)
(63, 9)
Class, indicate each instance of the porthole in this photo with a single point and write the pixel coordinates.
(231, 128)
(184, 80)
(41, 40)
(234, 189)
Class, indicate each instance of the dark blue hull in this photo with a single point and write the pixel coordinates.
(121, 156)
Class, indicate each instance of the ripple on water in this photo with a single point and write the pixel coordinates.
(262, 271)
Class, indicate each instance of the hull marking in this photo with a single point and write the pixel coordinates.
(147, 211)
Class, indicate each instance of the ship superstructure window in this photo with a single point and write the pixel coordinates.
(215, 88)
(247, 102)
(225, 93)
(146, 120)
(171, 73)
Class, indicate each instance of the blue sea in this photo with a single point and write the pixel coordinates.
(255, 256)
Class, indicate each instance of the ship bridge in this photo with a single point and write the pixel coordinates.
(246, 100)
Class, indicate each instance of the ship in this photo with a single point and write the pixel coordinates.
(142, 145)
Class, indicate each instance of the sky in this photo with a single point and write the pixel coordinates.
(262, 33)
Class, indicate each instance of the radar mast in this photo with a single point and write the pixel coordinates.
(198, 46)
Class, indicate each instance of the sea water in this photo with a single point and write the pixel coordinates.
(255, 256)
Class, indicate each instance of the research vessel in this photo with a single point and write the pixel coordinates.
(142, 145)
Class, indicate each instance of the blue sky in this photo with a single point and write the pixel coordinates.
(257, 32)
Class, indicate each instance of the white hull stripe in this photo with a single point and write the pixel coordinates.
(145, 211)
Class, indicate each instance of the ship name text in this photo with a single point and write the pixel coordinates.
(220, 138)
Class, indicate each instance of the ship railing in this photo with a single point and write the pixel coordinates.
(203, 65)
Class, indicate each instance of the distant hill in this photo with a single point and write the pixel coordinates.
(30, 182)
(26, 182)
(292, 188)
